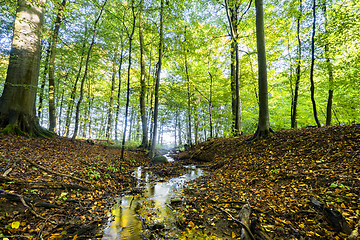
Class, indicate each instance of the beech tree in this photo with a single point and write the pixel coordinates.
(263, 129)
(17, 102)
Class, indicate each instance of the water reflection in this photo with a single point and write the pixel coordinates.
(133, 215)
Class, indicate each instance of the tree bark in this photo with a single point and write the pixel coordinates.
(17, 103)
(157, 83)
(144, 141)
(263, 124)
(312, 87)
(52, 105)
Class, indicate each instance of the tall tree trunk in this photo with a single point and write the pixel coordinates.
(85, 73)
(42, 85)
(263, 129)
(298, 73)
(119, 91)
(330, 72)
(157, 83)
(189, 133)
(61, 109)
(232, 11)
(210, 106)
(189, 138)
(17, 103)
(144, 141)
(52, 107)
(111, 100)
(130, 35)
(70, 107)
(312, 88)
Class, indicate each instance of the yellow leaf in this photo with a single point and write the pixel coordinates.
(233, 235)
(15, 225)
(75, 237)
(191, 224)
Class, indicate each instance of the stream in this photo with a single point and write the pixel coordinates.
(148, 214)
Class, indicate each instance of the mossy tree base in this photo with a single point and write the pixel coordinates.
(15, 123)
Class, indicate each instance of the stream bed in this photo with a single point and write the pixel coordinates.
(147, 213)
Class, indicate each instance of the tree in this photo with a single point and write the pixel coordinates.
(17, 103)
(232, 12)
(77, 113)
(157, 83)
(294, 102)
(52, 108)
(130, 36)
(330, 70)
(263, 129)
(144, 141)
(312, 87)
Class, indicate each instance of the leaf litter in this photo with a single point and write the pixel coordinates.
(278, 177)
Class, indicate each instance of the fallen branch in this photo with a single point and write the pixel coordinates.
(20, 198)
(56, 173)
(244, 216)
(239, 222)
(11, 168)
(39, 185)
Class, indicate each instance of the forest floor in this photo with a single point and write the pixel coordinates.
(282, 178)
(75, 182)
(71, 183)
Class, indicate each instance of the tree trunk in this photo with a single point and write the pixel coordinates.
(312, 88)
(144, 141)
(52, 107)
(85, 73)
(42, 85)
(263, 129)
(189, 138)
(128, 80)
(330, 72)
(73, 92)
(210, 106)
(157, 83)
(111, 101)
(17, 103)
(233, 19)
(298, 73)
(119, 92)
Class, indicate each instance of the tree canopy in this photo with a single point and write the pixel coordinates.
(194, 95)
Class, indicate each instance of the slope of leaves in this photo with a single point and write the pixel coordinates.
(79, 212)
(278, 177)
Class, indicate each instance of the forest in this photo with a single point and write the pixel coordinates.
(256, 98)
(104, 65)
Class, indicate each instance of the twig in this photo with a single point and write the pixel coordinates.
(237, 221)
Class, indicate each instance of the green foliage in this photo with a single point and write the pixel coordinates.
(206, 45)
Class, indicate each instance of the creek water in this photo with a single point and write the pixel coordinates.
(148, 215)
